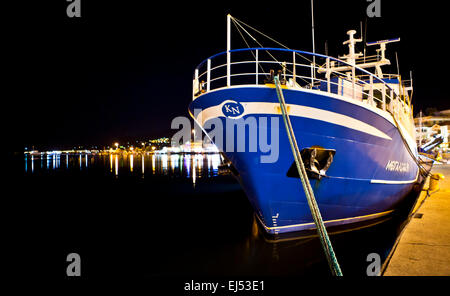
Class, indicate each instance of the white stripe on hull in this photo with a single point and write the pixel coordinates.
(311, 225)
(260, 108)
(386, 115)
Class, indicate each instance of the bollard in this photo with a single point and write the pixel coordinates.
(434, 182)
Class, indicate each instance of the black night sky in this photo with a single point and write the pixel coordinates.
(124, 69)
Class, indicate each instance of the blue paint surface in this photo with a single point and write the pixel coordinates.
(347, 191)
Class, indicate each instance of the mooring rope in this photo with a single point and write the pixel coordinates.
(323, 235)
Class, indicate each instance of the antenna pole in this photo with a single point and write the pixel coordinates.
(361, 29)
(365, 39)
(420, 128)
(398, 68)
(412, 88)
(228, 48)
(313, 42)
(362, 38)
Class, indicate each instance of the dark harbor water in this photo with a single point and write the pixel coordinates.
(167, 215)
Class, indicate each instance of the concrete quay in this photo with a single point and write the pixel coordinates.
(424, 245)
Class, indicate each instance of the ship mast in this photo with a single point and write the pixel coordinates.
(313, 40)
(382, 50)
(352, 56)
(228, 49)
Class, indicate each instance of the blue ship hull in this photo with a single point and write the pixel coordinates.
(371, 171)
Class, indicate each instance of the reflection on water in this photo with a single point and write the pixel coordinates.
(116, 159)
(222, 236)
(191, 166)
(131, 162)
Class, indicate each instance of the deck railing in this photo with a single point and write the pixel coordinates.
(256, 66)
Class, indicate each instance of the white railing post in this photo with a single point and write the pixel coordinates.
(294, 73)
(228, 49)
(328, 75)
(256, 70)
(384, 96)
(208, 75)
(391, 95)
(195, 86)
(371, 90)
(353, 82)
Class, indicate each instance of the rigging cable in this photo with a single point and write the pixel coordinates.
(424, 172)
(237, 23)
